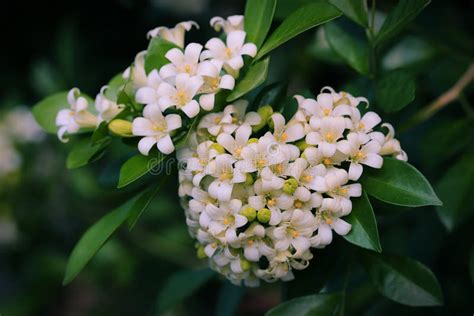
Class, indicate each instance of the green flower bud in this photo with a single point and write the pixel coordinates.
(263, 215)
(218, 147)
(121, 128)
(200, 253)
(265, 113)
(249, 180)
(212, 138)
(245, 264)
(252, 140)
(290, 186)
(250, 213)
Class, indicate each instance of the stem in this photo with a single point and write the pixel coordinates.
(443, 100)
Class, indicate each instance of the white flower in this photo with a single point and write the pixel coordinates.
(156, 128)
(295, 230)
(198, 165)
(286, 133)
(136, 72)
(253, 244)
(275, 200)
(148, 92)
(360, 153)
(223, 219)
(328, 135)
(72, 120)
(107, 109)
(306, 175)
(225, 176)
(182, 95)
(390, 145)
(327, 218)
(182, 63)
(213, 82)
(344, 97)
(232, 23)
(235, 145)
(174, 35)
(230, 53)
(365, 124)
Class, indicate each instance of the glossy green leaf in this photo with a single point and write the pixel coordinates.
(399, 183)
(403, 280)
(46, 110)
(273, 95)
(356, 10)
(395, 91)
(456, 188)
(180, 286)
(229, 299)
(403, 13)
(96, 236)
(144, 200)
(306, 17)
(254, 77)
(353, 51)
(364, 232)
(321, 50)
(318, 304)
(155, 56)
(258, 19)
(136, 167)
(83, 152)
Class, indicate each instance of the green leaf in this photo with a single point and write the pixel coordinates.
(403, 280)
(155, 56)
(258, 19)
(303, 19)
(456, 189)
(96, 236)
(320, 49)
(46, 110)
(273, 95)
(403, 13)
(101, 133)
(364, 231)
(229, 299)
(254, 77)
(395, 91)
(144, 200)
(399, 183)
(83, 152)
(136, 167)
(353, 51)
(356, 10)
(318, 304)
(180, 286)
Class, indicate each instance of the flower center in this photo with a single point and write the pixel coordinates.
(181, 98)
(188, 69)
(228, 52)
(326, 112)
(225, 176)
(261, 163)
(327, 161)
(298, 204)
(271, 202)
(359, 156)
(329, 137)
(307, 178)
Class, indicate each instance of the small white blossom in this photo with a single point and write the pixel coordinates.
(232, 23)
(174, 35)
(107, 109)
(181, 96)
(186, 62)
(156, 129)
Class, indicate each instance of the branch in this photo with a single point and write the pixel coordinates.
(443, 100)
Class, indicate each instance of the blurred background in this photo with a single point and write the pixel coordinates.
(44, 208)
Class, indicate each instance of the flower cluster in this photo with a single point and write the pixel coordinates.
(260, 192)
(181, 88)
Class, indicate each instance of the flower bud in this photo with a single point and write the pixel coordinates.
(290, 186)
(249, 180)
(252, 140)
(217, 147)
(245, 264)
(263, 215)
(200, 253)
(250, 213)
(121, 128)
(265, 113)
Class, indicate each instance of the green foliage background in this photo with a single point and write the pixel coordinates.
(147, 270)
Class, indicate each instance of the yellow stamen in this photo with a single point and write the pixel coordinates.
(361, 125)
(326, 112)
(329, 137)
(188, 68)
(228, 52)
(284, 137)
(298, 204)
(327, 161)
(359, 155)
(181, 98)
(307, 178)
(295, 234)
(261, 163)
(217, 120)
(271, 202)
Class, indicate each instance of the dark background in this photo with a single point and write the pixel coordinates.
(53, 46)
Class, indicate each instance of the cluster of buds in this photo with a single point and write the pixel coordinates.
(260, 192)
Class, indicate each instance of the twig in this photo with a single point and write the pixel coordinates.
(443, 100)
